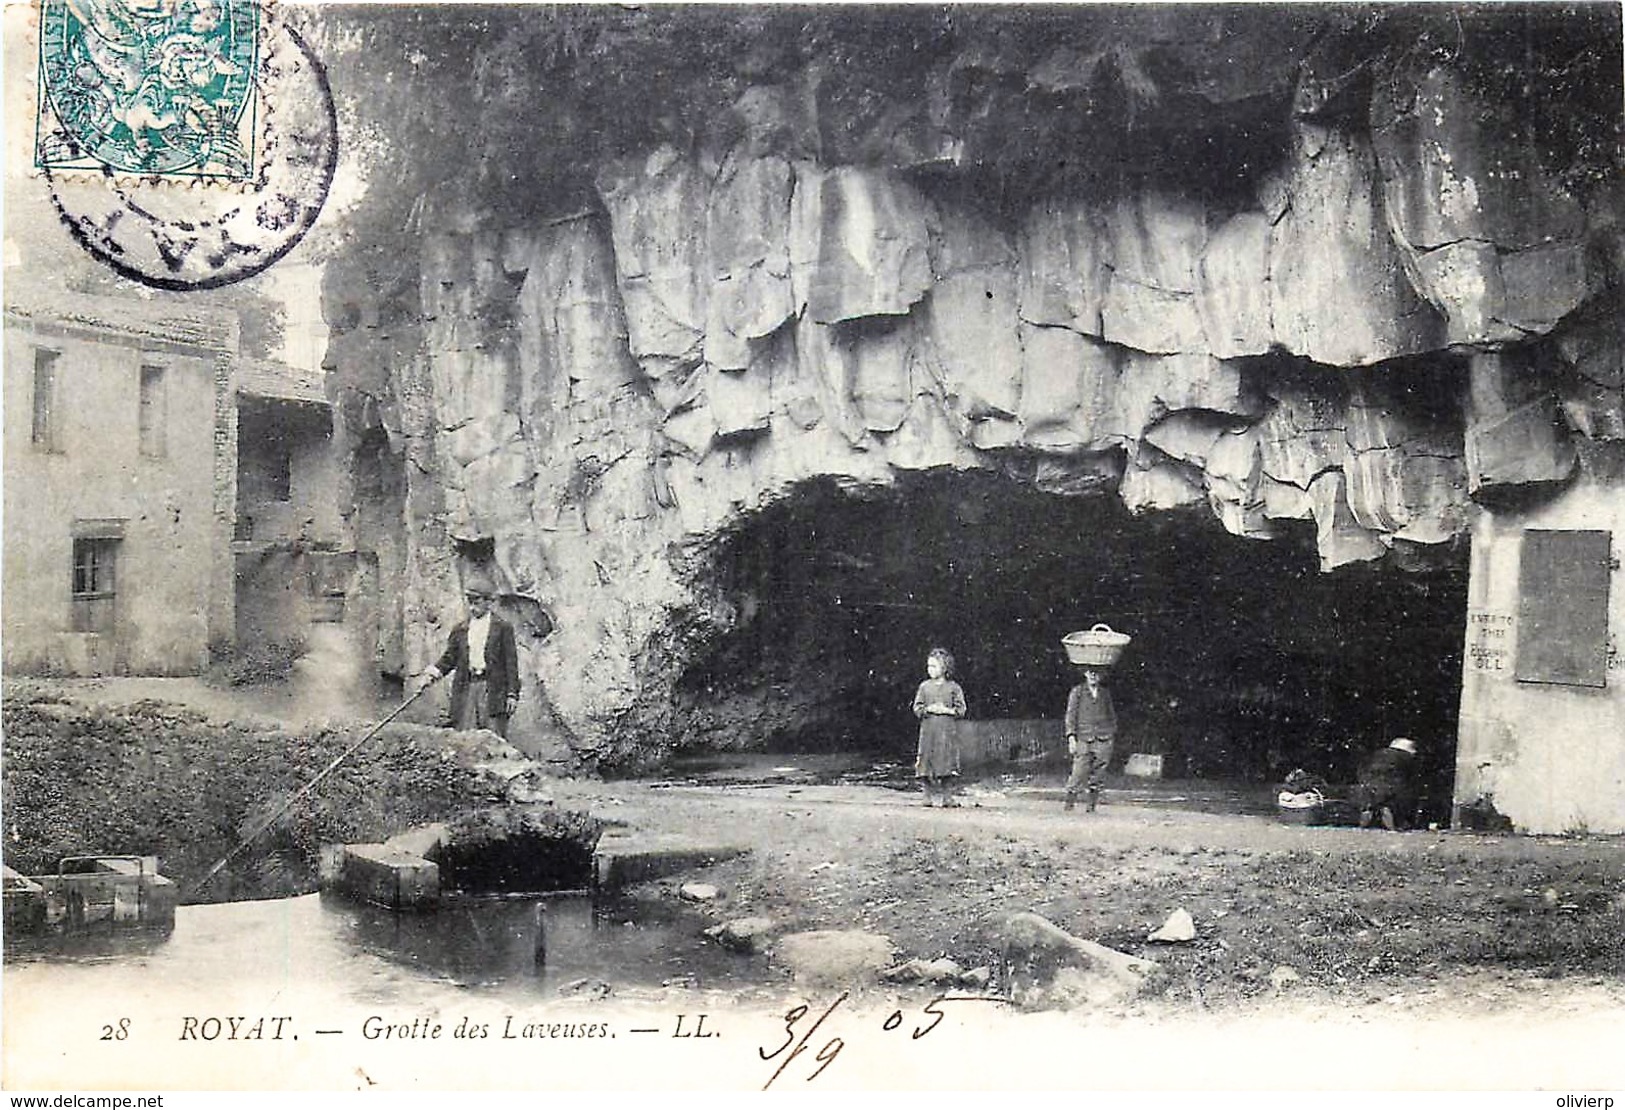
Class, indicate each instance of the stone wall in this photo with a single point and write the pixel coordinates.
(155, 499)
(1546, 755)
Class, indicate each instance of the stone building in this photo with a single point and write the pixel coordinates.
(119, 486)
(165, 494)
(287, 510)
(171, 478)
(299, 577)
(1542, 734)
(1541, 740)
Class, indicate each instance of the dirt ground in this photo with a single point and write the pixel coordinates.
(1325, 917)
(1361, 917)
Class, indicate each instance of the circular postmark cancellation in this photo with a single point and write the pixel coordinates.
(188, 143)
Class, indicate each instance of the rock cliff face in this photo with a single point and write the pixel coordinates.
(1300, 276)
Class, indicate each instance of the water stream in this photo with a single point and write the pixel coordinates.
(514, 949)
(543, 945)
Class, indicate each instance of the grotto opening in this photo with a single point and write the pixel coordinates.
(1247, 660)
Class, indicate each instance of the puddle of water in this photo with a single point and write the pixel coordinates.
(639, 948)
(548, 944)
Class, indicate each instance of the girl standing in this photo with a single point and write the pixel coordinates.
(938, 703)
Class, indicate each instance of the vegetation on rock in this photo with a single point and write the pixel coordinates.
(530, 102)
(158, 779)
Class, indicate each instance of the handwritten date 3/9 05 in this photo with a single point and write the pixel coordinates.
(796, 1038)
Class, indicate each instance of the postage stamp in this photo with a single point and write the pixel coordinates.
(187, 144)
(163, 87)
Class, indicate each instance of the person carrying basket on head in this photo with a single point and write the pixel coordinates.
(1091, 719)
(1091, 727)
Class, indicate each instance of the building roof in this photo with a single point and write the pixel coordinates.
(133, 319)
(253, 377)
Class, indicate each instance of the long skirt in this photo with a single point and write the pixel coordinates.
(939, 748)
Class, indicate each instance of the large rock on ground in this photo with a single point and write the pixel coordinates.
(1045, 967)
(743, 934)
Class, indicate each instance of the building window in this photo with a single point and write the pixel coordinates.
(1563, 607)
(45, 430)
(264, 458)
(278, 463)
(95, 578)
(153, 417)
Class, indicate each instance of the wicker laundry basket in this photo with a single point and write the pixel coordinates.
(1098, 647)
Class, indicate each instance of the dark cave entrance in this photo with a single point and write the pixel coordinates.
(1247, 660)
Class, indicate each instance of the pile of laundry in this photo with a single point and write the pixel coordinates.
(1302, 790)
(1307, 799)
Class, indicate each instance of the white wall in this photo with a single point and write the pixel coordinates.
(1550, 757)
(166, 561)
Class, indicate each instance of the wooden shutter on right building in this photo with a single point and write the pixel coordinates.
(1563, 607)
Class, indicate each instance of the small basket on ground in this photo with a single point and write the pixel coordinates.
(1312, 807)
(1098, 647)
(1301, 814)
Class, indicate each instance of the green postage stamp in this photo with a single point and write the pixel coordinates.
(162, 88)
(187, 144)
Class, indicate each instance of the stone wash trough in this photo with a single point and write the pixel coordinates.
(1217, 327)
(515, 850)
